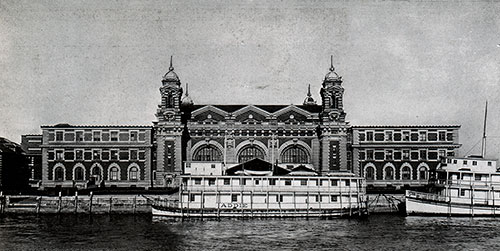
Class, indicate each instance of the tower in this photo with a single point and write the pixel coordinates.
(309, 100)
(332, 96)
(168, 130)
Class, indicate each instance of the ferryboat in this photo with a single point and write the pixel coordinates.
(260, 189)
(464, 187)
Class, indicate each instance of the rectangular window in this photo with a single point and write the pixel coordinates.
(388, 136)
(477, 176)
(87, 155)
(465, 162)
(379, 155)
(362, 136)
(414, 136)
(105, 155)
(96, 154)
(69, 155)
(197, 181)
(211, 182)
(97, 135)
(59, 154)
(212, 166)
(454, 161)
(432, 136)
(234, 198)
(489, 163)
(369, 136)
(303, 182)
(397, 155)
(227, 182)
(406, 136)
(192, 197)
(442, 136)
(334, 183)
(462, 192)
(333, 198)
(379, 136)
(422, 136)
(423, 154)
(79, 154)
(243, 182)
(388, 154)
(414, 155)
(133, 154)
(59, 136)
(449, 136)
(442, 153)
(114, 155)
(79, 136)
(288, 182)
(257, 181)
(361, 155)
(347, 183)
(432, 155)
(142, 155)
(279, 198)
(406, 154)
(272, 182)
(124, 155)
(369, 154)
(134, 135)
(114, 136)
(397, 136)
(318, 198)
(474, 163)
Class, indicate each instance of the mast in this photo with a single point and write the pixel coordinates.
(483, 143)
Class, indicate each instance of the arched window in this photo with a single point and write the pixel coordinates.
(389, 173)
(370, 173)
(59, 173)
(114, 173)
(207, 153)
(422, 173)
(133, 173)
(79, 173)
(249, 153)
(406, 173)
(295, 154)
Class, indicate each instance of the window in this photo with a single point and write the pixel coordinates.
(449, 136)
(211, 182)
(227, 182)
(294, 154)
(207, 153)
(397, 155)
(249, 153)
(133, 135)
(442, 136)
(478, 177)
(379, 155)
(59, 136)
(362, 136)
(388, 154)
(114, 136)
(288, 182)
(406, 154)
(454, 161)
(59, 174)
(257, 181)
(422, 172)
(96, 154)
(462, 192)
(87, 155)
(197, 181)
(59, 154)
(79, 154)
(489, 163)
(97, 136)
(114, 155)
(243, 182)
(414, 136)
(442, 153)
(113, 173)
(334, 183)
(333, 198)
(388, 136)
(422, 136)
(79, 136)
(133, 154)
(406, 136)
(303, 182)
(79, 173)
(432, 136)
(370, 173)
(369, 136)
(414, 155)
(317, 198)
(389, 173)
(234, 198)
(397, 136)
(423, 154)
(105, 155)
(212, 166)
(369, 154)
(347, 183)
(474, 163)
(362, 155)
(272, 182)
(465, 162)
(132, 174)
(279, 198)
(379, 136)
(406, 173)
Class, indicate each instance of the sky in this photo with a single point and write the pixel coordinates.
(101, 62)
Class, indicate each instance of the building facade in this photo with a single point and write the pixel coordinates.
(212, 138)
(14, 172)
(398, 156)
(32, 146)
(101, 156)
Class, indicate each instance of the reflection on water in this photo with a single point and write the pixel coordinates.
(143, 232)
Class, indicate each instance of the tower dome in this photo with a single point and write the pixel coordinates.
(170, 76)
(186, 100)
(332, 75)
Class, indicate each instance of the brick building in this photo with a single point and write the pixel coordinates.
(32, 146)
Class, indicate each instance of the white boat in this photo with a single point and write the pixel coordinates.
(261, 193)
(464, 187)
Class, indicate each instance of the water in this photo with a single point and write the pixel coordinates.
(120, 232)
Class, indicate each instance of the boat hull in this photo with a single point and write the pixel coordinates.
(418, 206)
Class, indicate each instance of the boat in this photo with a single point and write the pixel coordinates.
(269, 191)
(467, 186)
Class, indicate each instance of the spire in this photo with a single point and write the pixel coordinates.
(171, 68)
(187, 101)
(309, 100)
(331, 63)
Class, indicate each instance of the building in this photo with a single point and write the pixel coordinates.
(32, 146)
(398, 156)
(104, 156)
(208, 139)
(13, 167)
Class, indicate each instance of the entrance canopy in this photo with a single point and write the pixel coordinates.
(256, 167)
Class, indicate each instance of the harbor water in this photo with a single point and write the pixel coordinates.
(144, 232)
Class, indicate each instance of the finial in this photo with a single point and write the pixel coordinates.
(309, 91)
(331, 63)
(171, 68)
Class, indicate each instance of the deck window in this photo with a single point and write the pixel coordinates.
(234, 197)
(347, 183)
(333, 198)
(192, 197)
(211, 182)
(279, 198)
(334, 183)
(288, 182)
(303, 182)
(272, 182)
(197, 181)
(227, 182)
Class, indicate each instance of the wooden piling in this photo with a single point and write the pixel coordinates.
(38, 204)
(110, 204)
(134, 204)
(59, 203)
(90, 202)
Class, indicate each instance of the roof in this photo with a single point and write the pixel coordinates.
(65, 125)
(256, 165)
(8, 146)
(404, 126)
(267, 108)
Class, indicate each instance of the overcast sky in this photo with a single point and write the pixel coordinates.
(101, 62)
